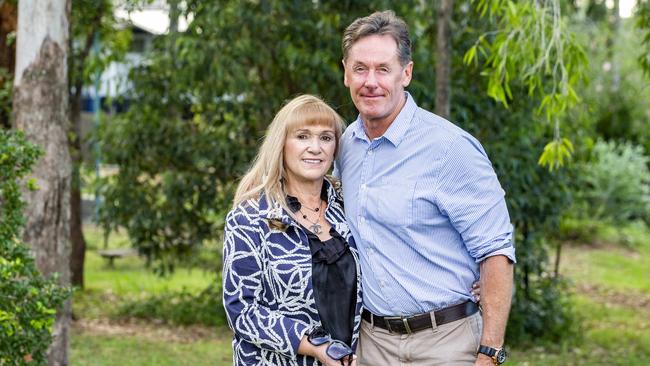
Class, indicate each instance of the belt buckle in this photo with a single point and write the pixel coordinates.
(405, 321)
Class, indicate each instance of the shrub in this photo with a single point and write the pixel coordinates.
(179, 308)
(616, 183)
(29, 301)
(544, 312)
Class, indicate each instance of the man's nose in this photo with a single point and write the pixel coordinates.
(371, 80)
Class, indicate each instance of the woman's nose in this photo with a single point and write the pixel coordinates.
(314, 145)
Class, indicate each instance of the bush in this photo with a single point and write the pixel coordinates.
(29, 301)
(544, 312)
(616, 183)
(179, 308)
(633, 235)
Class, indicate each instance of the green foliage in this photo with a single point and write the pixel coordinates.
(632, 235)
(643, 24)
(199, 106)
(6, 87)
(29, 301)
(179, 308)
(536, 196)
(615, 105)
(555, 319)
(533, 45)
(616, 183)
(94, 20)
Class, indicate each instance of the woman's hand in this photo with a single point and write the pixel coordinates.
(320, 353)
(328, 361)
(350, 360)
(476, 291)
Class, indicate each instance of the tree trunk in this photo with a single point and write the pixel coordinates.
(78, 254)
(40, 109)
(77, 240)
(443, 58)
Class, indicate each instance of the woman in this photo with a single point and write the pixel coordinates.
(291, 276)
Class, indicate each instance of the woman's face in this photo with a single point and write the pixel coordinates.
(309, 153)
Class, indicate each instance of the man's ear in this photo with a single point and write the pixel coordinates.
(345, 75)
(408, 74)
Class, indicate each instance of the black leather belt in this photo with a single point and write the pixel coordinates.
(412, 324)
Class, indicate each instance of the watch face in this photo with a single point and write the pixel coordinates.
(501, 356)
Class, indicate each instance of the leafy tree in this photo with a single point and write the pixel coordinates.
(201, 104)
(616, 183)
(29, 301)
(532, 44)
(643, 24)
(92, 23)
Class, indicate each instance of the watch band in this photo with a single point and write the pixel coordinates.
(497, 355)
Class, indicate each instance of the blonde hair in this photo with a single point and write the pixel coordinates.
(267, 173)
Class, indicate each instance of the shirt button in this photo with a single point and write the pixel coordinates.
(363, 186)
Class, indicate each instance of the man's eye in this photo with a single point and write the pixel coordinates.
(359, 69)
(384, 70)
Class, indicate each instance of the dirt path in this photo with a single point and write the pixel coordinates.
(633, 300)
(148, 330)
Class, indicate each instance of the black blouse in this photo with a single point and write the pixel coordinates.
(334, 280)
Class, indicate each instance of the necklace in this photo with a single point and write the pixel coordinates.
(315, 227)
(311, 209)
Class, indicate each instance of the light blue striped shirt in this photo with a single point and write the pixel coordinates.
(425, 208)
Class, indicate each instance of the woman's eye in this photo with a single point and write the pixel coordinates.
(302, 136)
(327, 138)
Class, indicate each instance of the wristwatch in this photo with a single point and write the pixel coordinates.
(498, 355)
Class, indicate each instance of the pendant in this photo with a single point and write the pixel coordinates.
(316, 228)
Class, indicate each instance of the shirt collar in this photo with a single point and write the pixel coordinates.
(396, 131)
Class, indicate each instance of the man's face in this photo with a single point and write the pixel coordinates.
(376, 79)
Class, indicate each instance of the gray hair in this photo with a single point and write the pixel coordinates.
(380, 23)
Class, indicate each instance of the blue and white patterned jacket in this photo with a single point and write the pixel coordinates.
(267, 288)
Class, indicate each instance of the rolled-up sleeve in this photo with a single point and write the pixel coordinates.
(247, 313)
(470, 194)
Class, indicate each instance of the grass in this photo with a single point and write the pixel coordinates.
(107, 288)
(119, 350)
(611, 291)
(612, 294)
(129, 278)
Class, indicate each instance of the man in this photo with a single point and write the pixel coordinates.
(427, 212)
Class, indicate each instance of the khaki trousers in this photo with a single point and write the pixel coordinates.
(453, 343)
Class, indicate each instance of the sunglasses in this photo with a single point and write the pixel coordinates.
(336, 349)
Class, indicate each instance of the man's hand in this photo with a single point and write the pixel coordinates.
(483, 360)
